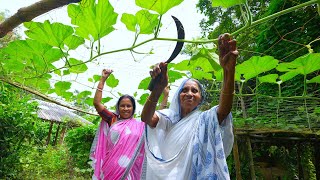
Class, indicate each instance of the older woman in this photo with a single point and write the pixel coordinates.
(182, 142)
(118, 149)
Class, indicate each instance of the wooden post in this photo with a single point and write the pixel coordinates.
(56, 137)
(317, 159)
(49, 134)
(236, 158)
(252, 171)
(300, 170)
(63, 131)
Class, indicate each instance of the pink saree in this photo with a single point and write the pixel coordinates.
(118, 151)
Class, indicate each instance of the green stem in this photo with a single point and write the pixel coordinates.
(248, 13)
(156, 33)
(304, 85)
(306, 108)
(275, 15)
(99, 46)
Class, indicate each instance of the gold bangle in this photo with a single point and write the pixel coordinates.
(155, 102)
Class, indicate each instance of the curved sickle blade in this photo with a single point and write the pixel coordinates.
(179, 45)
(175, 52)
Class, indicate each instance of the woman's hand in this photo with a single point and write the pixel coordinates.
(228, 52)
(161, 71)
(106, 73)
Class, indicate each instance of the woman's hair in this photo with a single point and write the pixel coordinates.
(132, 101)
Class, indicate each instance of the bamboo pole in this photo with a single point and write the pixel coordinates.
(252, 171)
(63, 131)
(49, 134)
(56, 137)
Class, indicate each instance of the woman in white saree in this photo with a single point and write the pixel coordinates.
(182, 142)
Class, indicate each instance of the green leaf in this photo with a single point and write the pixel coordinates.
(77, 66)
(67, 95)
(226, 3)
(160, 6)
(106, 99)
(84, 94)
(175, 75)
(66, 72)
(144, 83)
(314, 80)
(287, 76)
(200, 68)
(61, 87)
(96, 78)
(93, 20)
(143, 19)
(302, 65)
(73, 41)
(53, 34)
(270, 78)
(36, 58)
(207, 54)
(255, 66)
(88, 101)
(112, 81)
(143, 98)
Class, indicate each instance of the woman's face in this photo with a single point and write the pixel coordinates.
(125, 108)
(190, 97)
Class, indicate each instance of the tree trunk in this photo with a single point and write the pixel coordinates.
(26, 14)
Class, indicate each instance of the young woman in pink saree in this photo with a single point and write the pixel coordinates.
(118, 149)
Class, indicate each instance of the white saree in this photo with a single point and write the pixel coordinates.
(194, 147)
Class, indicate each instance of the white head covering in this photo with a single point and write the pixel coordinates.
(174, 111)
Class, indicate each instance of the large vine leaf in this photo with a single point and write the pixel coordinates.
(61, 87)
(93, 20)
(143, 98)
(73, 41)
(112, 81)
(144, 20)
(37, 58)
(200, 68)
(144, 83)
(160, 6)
(226, 3)
(314, 80)
(213, 58)
(54, 34)
(77, 66)
(175, 75)
(270, 78)
(302, 65)
(255, 66)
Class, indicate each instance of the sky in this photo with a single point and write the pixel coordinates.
(129, 70)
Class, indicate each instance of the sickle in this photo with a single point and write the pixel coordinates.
(176, 51)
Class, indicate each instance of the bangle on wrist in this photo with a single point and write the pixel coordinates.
(154, 102)
(99, 89)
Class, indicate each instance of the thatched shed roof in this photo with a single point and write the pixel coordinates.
(53, 112)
